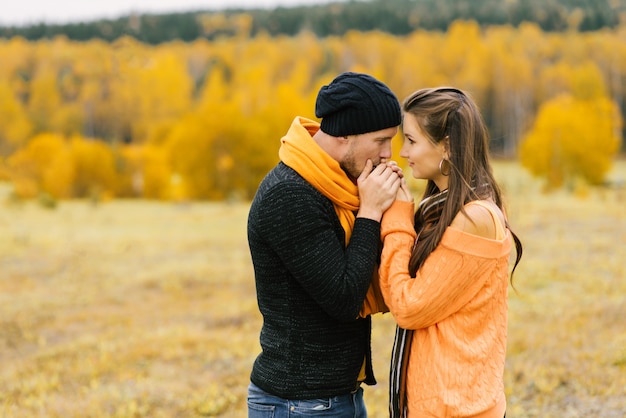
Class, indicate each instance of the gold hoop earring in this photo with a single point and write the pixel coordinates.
(441, 167)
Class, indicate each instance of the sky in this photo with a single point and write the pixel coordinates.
(25, 12)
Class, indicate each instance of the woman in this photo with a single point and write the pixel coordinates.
(444, 270)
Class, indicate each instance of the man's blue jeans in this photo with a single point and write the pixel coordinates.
(264, 405)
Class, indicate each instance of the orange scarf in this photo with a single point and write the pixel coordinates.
(299, 151)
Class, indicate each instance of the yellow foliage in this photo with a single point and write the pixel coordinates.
(29, 166)
(59, 174)
(94, 167)
(15, 126)
(156, 172)
(465, 58)
(572, 139)
(241, 93)
(76, 168)
(68, 120)
(584, 80)
(190, 150)
(25, 187)
(45, 99)
(146, 171)
(5, 175)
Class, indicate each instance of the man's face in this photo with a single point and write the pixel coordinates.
(371, 145)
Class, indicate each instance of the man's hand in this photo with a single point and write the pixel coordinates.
(378, 188)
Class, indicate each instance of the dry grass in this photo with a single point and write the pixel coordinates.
(143, 309)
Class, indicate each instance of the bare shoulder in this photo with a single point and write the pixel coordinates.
(477, 220)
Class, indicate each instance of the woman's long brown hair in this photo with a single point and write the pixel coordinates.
(449, 112)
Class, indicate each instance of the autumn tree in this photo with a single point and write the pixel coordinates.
(34, 167)
(15, 125)
(143, 171)
(94, 168)
(576, 134)
(203, 120)
(64, 168)
(572, 139)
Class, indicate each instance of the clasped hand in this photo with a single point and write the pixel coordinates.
(378, 188)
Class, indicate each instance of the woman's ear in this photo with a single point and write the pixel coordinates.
(445, 143)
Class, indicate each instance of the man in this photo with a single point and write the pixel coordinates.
(314, 236)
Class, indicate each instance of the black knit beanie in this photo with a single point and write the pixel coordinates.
(355, 103)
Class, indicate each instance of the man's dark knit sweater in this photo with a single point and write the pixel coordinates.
(310, 288)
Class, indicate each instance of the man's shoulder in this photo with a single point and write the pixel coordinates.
(282, 172)
(284, 194)
(284, 179)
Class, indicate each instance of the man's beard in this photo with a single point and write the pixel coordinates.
(348, 165)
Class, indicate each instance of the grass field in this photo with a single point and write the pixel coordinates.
(145, 309)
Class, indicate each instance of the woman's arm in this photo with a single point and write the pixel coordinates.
(449, 278)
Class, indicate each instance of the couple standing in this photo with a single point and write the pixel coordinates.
(334, 237)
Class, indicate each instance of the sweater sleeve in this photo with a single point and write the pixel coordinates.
(302, 230)
(398, 235)
(447, 280)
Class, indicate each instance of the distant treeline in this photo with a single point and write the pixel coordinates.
(398, 17)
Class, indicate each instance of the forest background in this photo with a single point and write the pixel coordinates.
(200, 117)
(136, 307)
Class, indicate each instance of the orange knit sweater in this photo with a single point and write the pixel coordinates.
(457, 303)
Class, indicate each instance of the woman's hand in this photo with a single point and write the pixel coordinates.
(403, 193)
(393, 165)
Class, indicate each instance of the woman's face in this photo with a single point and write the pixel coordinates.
(422, 154)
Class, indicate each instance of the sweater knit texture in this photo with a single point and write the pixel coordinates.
(310, 289)
(457, 305)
